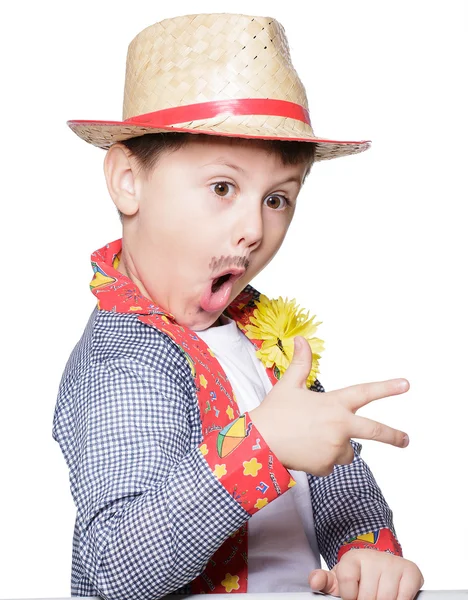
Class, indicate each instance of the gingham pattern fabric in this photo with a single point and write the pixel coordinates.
(346, 504)
(150, 513)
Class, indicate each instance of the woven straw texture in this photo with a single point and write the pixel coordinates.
(201, 58)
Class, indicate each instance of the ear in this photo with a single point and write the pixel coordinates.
(119, 170)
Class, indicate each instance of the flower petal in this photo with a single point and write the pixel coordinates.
(276, 323)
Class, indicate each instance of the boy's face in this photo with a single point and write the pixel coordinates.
(212, 206)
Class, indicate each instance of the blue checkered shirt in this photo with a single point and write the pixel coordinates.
(149, 511)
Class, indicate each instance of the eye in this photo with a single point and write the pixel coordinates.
(221, 188)
(277, 198)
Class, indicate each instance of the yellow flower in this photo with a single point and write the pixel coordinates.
(230, 412)
(203, 381)
(277, 323)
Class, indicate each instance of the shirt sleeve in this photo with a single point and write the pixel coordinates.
(251, 472)
(347, 505)
(150, 511)
(382, 540)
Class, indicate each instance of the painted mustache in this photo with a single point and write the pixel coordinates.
(227, 262)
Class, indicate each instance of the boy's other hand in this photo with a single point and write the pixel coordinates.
(311, 431)
(370, 575)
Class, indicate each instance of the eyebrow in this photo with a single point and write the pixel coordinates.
(291, 180)
(223, 162)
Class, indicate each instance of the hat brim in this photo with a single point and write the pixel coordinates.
(105, 133)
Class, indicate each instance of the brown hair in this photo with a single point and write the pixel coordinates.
(146, 149)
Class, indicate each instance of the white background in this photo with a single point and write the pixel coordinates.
(377, 249)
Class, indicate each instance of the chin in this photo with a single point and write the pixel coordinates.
(202, 321)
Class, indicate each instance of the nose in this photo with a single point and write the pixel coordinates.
(248, 229)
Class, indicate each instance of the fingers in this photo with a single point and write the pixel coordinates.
(369, 584)
(324, 581)
(348, 575)
(299, 368)
(357, 396)
(400, 586)
(389, 584)
(375, 575)
(357, 579)
(367, 429)
(411, 582)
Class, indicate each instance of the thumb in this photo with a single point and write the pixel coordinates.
(324, 581)
(301, 363)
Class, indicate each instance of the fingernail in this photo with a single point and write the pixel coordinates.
(402, 384)
(405, 441)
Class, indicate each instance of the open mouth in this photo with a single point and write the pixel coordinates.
(218, 282)
(218, 292)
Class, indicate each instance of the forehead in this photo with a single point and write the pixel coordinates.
(252, 153)
(230, 144)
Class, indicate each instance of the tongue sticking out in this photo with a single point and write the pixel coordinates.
(217, 293)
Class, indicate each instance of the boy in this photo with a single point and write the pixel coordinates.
(195, 466)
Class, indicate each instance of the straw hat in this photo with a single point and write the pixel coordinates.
(218, 74)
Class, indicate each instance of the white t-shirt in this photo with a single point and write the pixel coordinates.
(282, 542)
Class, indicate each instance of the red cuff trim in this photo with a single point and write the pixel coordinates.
(245, 465)
(381, 539)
